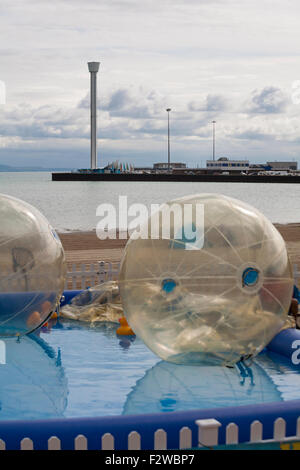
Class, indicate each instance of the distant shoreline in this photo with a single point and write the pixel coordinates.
(30, 170)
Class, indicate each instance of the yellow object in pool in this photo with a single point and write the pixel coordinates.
(124, 329)
(54, 316)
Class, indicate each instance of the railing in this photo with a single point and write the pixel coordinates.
(107, 441)
(209, 432)
(88, 275)
(296, 273)
(208, 436)
(83, 276)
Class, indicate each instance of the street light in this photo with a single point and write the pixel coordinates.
(168, 111)
(214, 139)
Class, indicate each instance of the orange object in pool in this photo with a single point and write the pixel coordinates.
(34, 320)
(124, 329)
(46, 307)
(54, 316)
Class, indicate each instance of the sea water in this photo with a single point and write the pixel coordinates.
(71, 205)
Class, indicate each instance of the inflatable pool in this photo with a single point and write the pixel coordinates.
(78, 372)
(207, 296)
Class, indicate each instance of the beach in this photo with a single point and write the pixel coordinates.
(86, 247)
(291, 235)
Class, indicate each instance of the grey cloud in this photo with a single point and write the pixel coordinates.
(126, 114)
(251, 135)
(31, 123)
(212, 103)
(122, 103)
(178, 127)
(133, 112)
(84, 102)
(215, 103)
(118, 100)
(137, 5)
(270, 100)
(44, 122)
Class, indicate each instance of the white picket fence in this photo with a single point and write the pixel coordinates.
(88, 275)
(208, 436)
(296, 273)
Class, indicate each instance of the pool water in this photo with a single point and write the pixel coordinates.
(75, 370)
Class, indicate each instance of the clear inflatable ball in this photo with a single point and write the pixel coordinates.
(206, 279)
(32, 268)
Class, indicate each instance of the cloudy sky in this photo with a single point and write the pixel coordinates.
(236, 62)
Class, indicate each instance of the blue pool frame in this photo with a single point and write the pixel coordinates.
(67, 429)
(12, 432)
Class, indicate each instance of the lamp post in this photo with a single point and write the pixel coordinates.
(93, 69)
(214, 139)
(168, 111)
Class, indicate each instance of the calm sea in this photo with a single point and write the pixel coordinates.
(72, 205)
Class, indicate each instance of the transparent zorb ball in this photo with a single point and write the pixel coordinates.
(32, 267)
(216, 289)
(100, 303)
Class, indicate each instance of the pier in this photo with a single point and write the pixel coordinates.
(184, 177)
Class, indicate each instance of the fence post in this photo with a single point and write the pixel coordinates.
(54, 443)
(298, 427)
(208, 432)
(295, 272)
(107, 441)
(74, 276)
(109, 270)
(232, 434)
(116, 271)
(279, 429)
(83, 276)
(256, 431)
(92, 275)
(134, 441)
(26, 444)
(101, 271)
(160, 439)
(80, 442)
(185, 438)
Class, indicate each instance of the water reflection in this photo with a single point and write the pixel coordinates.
(32, 382)
(108, 329)
(172, 387)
